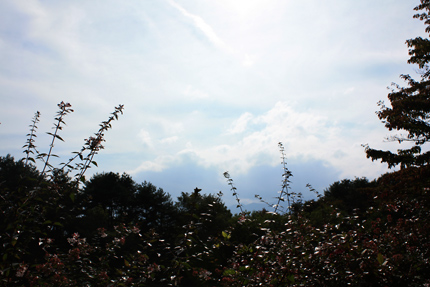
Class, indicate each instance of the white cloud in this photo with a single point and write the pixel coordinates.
(248, 60)
(306, 137)
(195, 94)
(274, 77)
(202, 26)
(169, 140)
(349, 90)
(240, 125)
(163, 162)
(53, 27)
(159, 164)
(145, 138)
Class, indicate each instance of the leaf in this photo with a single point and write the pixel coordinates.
(226, 235)
(72, 196)
(291, 278)
(380, 258)
(229, 272)
(58, 137)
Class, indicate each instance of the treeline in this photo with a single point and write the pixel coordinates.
(44, 217)
(113, 231)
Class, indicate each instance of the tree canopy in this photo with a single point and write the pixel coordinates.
(410, 105)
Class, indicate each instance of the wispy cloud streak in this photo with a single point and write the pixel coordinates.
(204, 27)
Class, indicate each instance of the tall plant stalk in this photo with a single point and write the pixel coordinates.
(30, 141)
(234, 191)
(64, 110)
(285, 180)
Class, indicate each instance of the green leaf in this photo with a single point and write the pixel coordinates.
(186, 265)
(229, 272)
(72, 196)
(380, 258)
(226, 235)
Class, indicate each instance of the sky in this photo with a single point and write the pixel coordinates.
(208, 86)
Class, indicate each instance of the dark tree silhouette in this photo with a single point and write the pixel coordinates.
(410, 105)
(211, 212)
(154, 209)
(113, 192)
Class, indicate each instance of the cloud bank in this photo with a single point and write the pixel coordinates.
(207, 86)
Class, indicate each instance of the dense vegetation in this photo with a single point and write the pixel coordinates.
(61, 229)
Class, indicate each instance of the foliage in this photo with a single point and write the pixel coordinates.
(234, 191)
(292, 198)
(206, 211)
(153, 208)
(113, 193)
(386, 244)
(350, 195)
(39, 207)
(410, 106)
(109, 199)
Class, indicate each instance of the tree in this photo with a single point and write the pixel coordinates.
(34, 209)
(207, 210)
(153, 208)
(350, 194)
(410, 105)
(113, 192)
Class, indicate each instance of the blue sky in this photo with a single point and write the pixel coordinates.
(208, 86)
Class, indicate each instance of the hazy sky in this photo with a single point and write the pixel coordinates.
(208, 86)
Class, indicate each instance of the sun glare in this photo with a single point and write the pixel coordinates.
(246, 9)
